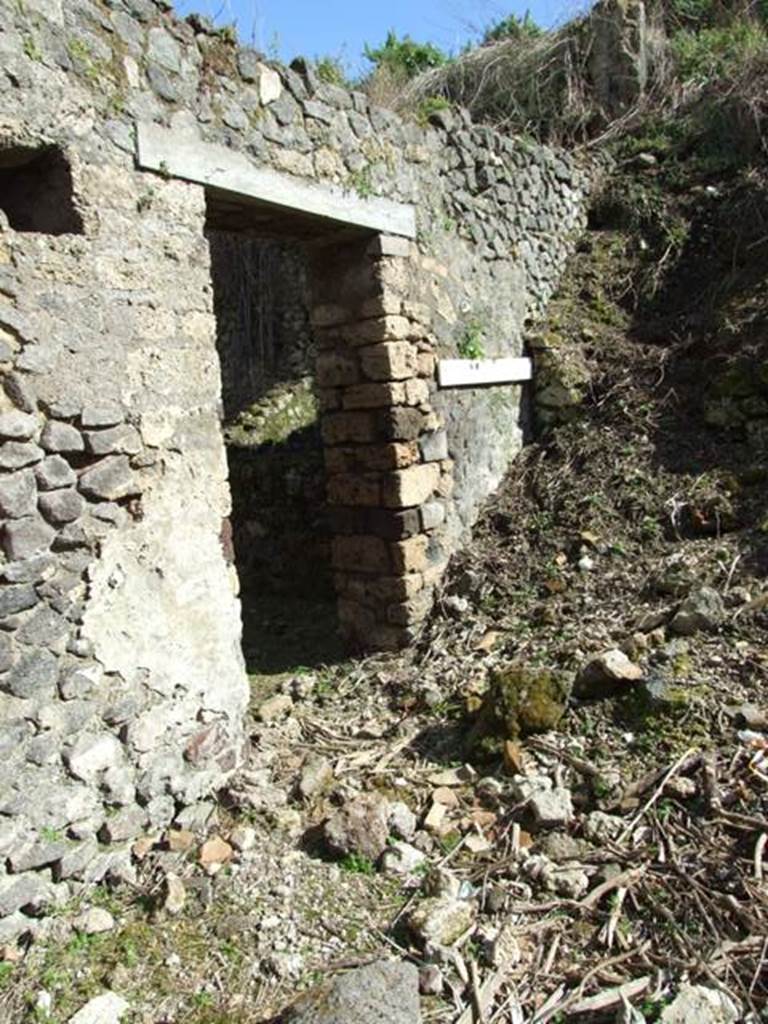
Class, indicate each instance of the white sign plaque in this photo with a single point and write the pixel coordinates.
(470, 373)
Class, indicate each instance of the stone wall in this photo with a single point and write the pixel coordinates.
(260, 300)
(122, 687)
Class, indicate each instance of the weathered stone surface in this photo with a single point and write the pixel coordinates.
(61, 437)
(17, 892)
(54, 472)
(18, 494)
(45, 628)
(18, 426)
(80, 681)
(394, 360)
(121, 440)
(552, 808)
(359, 827)
(118, 319)
(101, 414)
(434, 446)
(401, 859)
(92, 754)
(27, 537)
(17, 598)
(33, 675)
(6, 660)
(521, 700)
(386, 992)
(17, 454)
(441, 920)
(410, 555)
(60, 507)
(698, 1004)
(36, 854)
(94, 921)
(360, 554)
(275, 707)
(608, 673)
(412, 486)
(701, 610)
(110, 479)
(379, 395)
(107, 1008)
(126, 824)
(316, 777)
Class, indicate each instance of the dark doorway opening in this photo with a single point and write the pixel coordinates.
(271, 428)
(36, 191)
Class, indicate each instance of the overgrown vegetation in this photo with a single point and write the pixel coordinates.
(702, 64)
(513, 27)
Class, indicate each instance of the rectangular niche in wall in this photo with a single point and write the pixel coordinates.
(36, 192)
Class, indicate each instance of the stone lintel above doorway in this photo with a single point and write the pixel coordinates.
(178, 154)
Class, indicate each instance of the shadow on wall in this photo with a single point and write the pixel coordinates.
(279, 526)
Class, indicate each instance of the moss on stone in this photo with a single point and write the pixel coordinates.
(521, 700)
(285, 409)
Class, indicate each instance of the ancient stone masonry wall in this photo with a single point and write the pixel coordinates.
(122, 687)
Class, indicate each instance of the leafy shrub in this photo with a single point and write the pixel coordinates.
(331, 70)
(404, 57)
(513, 27)
(431, 105)
(717, 52)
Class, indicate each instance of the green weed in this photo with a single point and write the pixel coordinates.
(358, 864)
(470, 345)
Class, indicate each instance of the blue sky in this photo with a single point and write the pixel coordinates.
(340, 28)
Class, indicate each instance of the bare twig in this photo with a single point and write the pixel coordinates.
(656, 793)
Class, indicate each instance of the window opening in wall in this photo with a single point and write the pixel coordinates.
(36, 192)
(279, 526)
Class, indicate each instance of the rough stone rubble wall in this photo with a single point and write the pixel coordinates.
(122, 689)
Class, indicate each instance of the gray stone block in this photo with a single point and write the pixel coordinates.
(17, 425)
(18, 494)
(103, 414)
(126, 824)
(25, 538)
(80, 681)
(110, 479)
(20, 391)
(17, 454)
(31, 570)
(46, 628)
(63, 506)
(36, 854)
(122, 440)
(61, 437)
(434, 446)
(33, 675)
(432, 515)
(161, 84)
(91, 754)
(6, 657)
(386, 992)
(12, 738)
(17, 598)
(75, 860)
(22, 891)
(54, 472)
